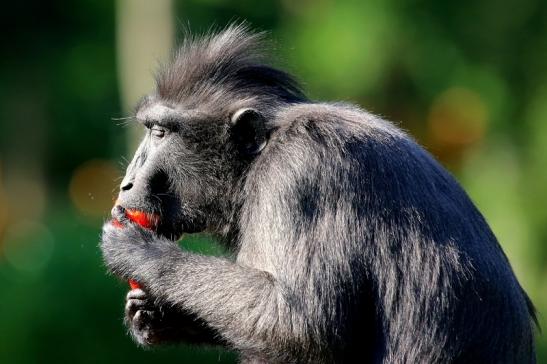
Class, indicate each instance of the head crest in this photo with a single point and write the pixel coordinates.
(205, 68)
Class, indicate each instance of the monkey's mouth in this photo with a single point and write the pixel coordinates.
(148, 220)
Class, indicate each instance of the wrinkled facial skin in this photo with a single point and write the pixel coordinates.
(175, 174)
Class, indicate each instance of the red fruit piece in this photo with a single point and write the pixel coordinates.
(146, 220)
(134, 284)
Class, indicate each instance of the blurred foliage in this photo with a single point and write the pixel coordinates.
(467, 79)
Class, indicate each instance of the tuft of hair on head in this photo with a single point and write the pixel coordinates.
(205, 68)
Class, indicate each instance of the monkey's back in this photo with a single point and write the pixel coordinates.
(401, 266)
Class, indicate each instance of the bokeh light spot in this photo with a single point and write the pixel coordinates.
(28, 246)
(3, 208)
(92, 187)
(26, 195)
(458, 117)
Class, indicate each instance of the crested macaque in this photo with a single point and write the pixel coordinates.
(346, 239)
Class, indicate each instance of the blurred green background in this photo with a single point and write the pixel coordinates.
(468, 79)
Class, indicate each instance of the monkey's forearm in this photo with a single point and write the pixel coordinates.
(241, 304)
(245, 306)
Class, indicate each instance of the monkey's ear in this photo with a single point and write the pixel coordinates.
(249, 131)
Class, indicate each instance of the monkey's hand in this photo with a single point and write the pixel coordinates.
(131, 252)
(150, 323)
(137, 253)
(145, 321)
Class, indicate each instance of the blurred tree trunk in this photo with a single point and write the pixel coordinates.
(145, 36)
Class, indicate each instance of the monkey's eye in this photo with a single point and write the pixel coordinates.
(157, 131)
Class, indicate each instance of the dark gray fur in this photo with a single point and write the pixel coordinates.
(348, 240)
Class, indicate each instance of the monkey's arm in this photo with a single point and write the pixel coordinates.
(245, 306)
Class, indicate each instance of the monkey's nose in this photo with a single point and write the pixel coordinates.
(126, 186)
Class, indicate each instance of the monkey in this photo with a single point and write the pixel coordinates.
(346, 240)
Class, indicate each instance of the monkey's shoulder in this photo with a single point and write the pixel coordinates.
(338, 118)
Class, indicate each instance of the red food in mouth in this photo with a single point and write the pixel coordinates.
(144, 219)
(134, 284)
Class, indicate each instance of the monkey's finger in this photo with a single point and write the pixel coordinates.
(143, 319)
(134, 305)
(136, 294)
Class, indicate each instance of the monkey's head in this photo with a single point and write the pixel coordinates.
(206, 123)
